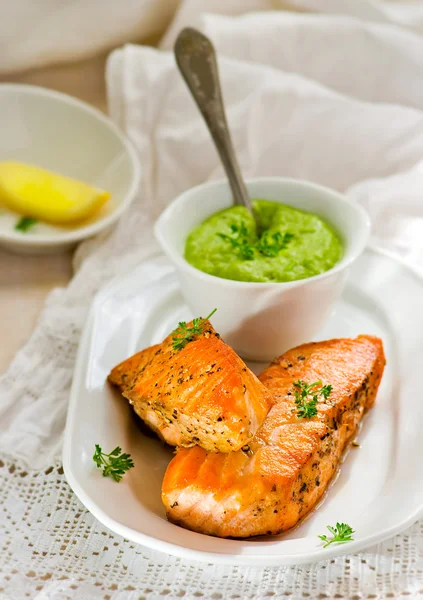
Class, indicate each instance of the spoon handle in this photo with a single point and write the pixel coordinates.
(196, 59)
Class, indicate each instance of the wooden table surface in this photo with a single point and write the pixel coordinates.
(25, 281)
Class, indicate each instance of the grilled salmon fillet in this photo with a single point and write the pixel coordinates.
(200, 394)
(269, 485)
(125, 372)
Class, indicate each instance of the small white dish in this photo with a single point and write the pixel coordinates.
(379, 490)
(262, 320)
(60, 133)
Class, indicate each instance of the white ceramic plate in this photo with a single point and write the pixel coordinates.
(60, 133)
(379, 490)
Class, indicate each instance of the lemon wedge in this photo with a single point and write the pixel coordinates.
(47, 196)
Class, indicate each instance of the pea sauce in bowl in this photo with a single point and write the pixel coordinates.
(275, 288)
(290, 245)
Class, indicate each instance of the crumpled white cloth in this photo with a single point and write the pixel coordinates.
(402, 13)
(43, 32)
(330, 98)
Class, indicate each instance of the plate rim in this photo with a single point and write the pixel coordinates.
(258, 559)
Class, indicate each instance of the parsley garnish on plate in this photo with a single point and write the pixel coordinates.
(238, 238)
(115, 464)
(184, 334)
(25, 223)
(341, 534)
(307, 397)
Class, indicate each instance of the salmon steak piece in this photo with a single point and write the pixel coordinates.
(199, 394)
(280, 475)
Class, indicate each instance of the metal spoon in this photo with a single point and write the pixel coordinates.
(196, 58)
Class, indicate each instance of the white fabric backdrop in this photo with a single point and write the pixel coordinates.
(35, 33)
(38, 33)
(332, 98)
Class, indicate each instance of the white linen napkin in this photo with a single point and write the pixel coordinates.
(332, 99)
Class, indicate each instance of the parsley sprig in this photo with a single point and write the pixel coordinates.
(115, 464)
(341, 534)
(268, 244)
(184, 334)
(238, 238)
(307, 397)
(272, 244)
(25, 223)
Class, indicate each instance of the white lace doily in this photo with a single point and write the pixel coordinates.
(53, 548)
(363, 138)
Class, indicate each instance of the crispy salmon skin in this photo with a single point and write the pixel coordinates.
(200, 394)
(269, 485)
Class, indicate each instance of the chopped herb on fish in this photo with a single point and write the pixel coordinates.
(307, 397)
(184, 334)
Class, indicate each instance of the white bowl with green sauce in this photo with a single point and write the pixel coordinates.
(290, 244)
(274, 288)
